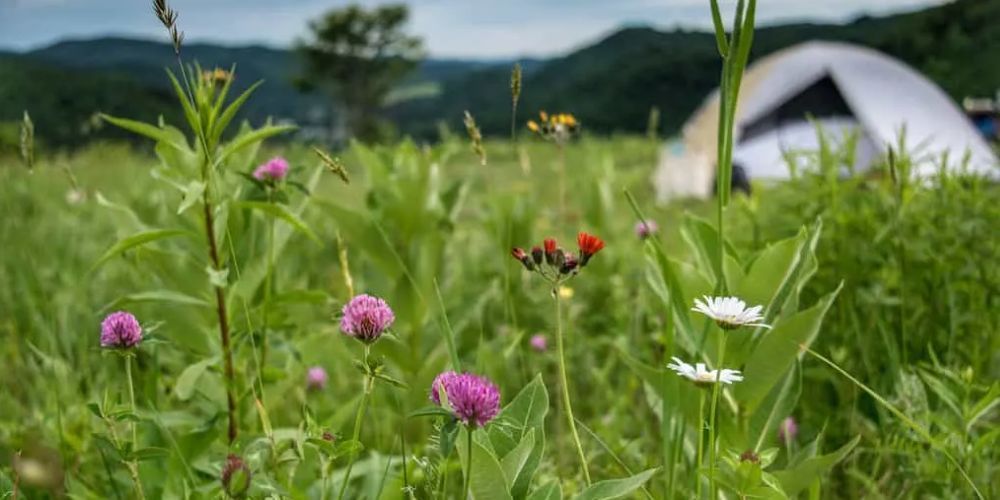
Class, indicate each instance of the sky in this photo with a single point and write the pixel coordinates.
(451, 28)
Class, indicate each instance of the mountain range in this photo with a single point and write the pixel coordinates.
(610, 84)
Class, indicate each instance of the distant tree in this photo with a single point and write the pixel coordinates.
(358, 56)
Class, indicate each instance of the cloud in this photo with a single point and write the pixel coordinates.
(458, 28)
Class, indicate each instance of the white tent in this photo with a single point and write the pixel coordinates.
(848, 91)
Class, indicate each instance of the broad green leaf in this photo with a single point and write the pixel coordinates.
(513, 463)
(551, 491)
(777, 351)
(799, 478)
(144, 129)
(188, 379)
(524, 414)
(615, 488)
(529, 407)
(150, 453)
(189, 111)
(280, 212)
(487, 478)
(219, 127)
(137, 240)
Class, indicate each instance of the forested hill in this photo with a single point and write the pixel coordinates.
(612, 84)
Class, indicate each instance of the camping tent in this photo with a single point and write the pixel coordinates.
(852, 93)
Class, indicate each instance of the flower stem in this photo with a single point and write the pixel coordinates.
(325, 485)
(134, 464)
(358, 418)
(468, 464)
(711, 416)
(701, 443)
(565, 386)
(268, 277)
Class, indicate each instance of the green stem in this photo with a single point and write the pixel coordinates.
(711, 416)
(326, 480)
(701, 445)
(267, 289)
(134, 464)
(565, 386)
(358, 418)
(468, 464)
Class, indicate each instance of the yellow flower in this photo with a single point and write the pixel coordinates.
(532, 126)
(544, 116)
(565, 292)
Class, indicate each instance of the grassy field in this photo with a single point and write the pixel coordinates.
(893, 283)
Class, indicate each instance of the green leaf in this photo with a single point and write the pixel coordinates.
(778, 350)
(551, 491)
(227, 116)
(616, 488)
(430, 411)
(487, 478)
(188, 379)
(167, 296)
(192, 195)
(150, 453)
(137, 240)
(513, 463)
(250, 138)
(144, 129)
(525, 413)
(799, 478)
(529, 407)
(280, 212)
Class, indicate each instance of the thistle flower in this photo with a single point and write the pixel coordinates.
(474, 400)
(274, 170)
(366, 318)
(645, 229)
(120, 330)
(702, 376)
(729, 313)
(236, 476)
(316, 378)
(788, 430)
(539, 342)
(589, 245)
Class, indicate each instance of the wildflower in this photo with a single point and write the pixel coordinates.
(316, 378)
(539, 342)
(788, 430)
(474, 400)
(589, 245)
(521, 255)
(729, 312)
(645, 229)
(565, 292)
(236, 476)
(559, 127)
(274, 170)
(550, 251)
(217, 75)
(120, 330)
(366, 318)
(701, 376)
(569, 264)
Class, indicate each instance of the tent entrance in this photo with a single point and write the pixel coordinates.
(820, 100)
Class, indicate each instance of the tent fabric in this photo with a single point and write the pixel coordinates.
(884, 97)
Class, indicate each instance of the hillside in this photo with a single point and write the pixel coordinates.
(612, 84)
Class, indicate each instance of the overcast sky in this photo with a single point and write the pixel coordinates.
(451, 28)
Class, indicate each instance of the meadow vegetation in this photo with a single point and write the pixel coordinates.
(868, 371)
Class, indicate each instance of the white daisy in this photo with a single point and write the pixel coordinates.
(729, 312)
(702, 376)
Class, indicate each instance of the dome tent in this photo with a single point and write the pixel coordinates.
(852, 93)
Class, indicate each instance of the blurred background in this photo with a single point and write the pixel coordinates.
(408, 68)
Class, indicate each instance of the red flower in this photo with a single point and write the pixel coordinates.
(521, 255)
(589, 245)
(550, 245)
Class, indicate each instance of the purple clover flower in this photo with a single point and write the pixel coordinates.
(788, 430)
(316, 378)
(474, 400)
(274, 169)
(120, 330)
(366, 318)
(645, 229)
(539, 342)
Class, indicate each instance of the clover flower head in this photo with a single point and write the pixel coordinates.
(539, 342)
(788, 429)
(474, 400)
(236, 476)
(120, 330)
(274, 169)
(366, 317)
(700, 375)
(316, 378)
(645, 229)
(729, 313)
